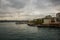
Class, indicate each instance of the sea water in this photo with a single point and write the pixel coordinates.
(12, 31)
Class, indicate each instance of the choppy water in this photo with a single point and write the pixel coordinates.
(11, 31)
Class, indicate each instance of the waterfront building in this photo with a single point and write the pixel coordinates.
(58, 17)
(49, 19)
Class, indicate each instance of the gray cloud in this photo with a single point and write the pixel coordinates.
(17, 3)
(29, 7)
(56, 2)
(0, 3)
(14, 4)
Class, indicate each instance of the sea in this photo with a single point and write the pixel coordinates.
(13, 31)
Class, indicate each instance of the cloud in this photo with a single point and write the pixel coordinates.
(17, 3)
(55, 2)
(27, 9)
(12, 4)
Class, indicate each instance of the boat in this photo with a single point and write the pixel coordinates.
(30, 24)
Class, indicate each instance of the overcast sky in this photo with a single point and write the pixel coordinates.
(28, 9)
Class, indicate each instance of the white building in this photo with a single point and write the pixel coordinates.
(49, 19)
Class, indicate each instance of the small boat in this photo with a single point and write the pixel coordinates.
(30, 24)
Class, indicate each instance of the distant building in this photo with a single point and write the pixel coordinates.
(58, 17)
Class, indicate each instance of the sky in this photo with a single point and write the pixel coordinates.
(28, 9)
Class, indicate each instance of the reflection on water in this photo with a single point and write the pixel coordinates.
(11, 31)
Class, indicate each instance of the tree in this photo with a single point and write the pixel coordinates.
(38, 21)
